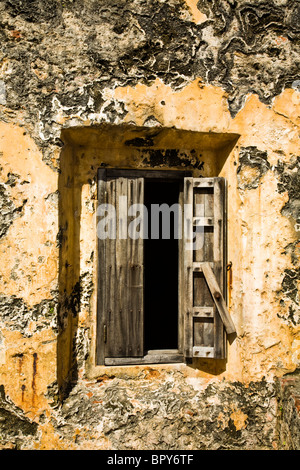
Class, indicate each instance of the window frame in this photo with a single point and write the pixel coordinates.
(163, 356)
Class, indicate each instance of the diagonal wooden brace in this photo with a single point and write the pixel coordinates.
(218, 298)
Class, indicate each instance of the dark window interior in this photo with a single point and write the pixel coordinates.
(161, 273)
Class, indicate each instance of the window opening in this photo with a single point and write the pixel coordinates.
(161, 297)
(161, 271)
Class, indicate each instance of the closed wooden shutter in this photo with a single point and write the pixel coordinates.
(121, 272)
(206, 318)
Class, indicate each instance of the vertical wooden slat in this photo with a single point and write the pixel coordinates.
(225, 240)
(101, 287)
(225, 259)
(208, 231)
(135, 277)
(188, 266)
(199, 211)
(110, 272)
(218, 209)
(219, 267)
(119, 333)
(203, 332)
(131, 324)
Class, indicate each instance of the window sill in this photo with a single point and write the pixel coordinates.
(152, 357)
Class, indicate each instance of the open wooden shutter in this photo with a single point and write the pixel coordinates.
(121, 273)
(206, 318)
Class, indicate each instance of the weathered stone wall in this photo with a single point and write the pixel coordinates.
(87, 83)
(289, 412)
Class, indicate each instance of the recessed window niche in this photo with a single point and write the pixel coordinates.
(86, 149)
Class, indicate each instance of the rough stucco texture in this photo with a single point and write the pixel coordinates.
(217, 67)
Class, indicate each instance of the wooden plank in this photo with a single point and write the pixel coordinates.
(201, 293)
(111, 274)
(203, 182)
(147, 359)
(203, 328)
(225, 255)
(156, 174)
(197, 265)
(160, 352)
(219, 259)
(135, 277)
(203, 221)
(225, 239)
(198, 212)
(203, 351)
(121, 292)
(209, 231)
(203, 312)
(218, 298)
(218, 210)
(188, 266)
(203, 331)
(101, 285)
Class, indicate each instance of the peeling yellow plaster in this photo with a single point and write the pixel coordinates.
(197, 16)
(196, 107)
(239, 419)
(266, 128)
(288, 104)
(29, 256)
(30, 365)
